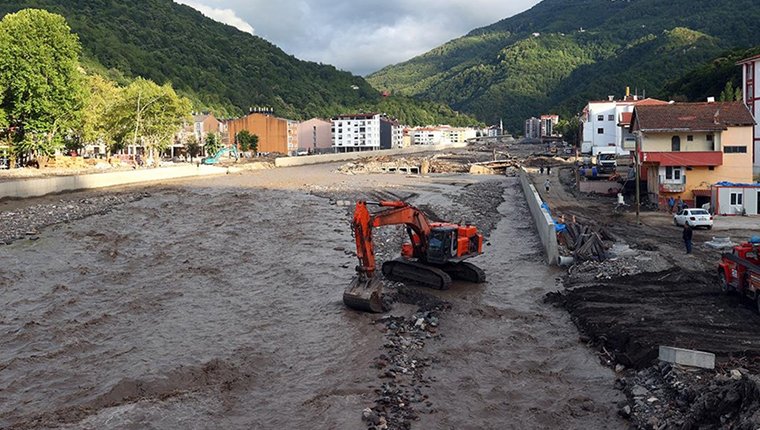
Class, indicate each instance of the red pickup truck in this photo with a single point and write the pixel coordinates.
(740, 270)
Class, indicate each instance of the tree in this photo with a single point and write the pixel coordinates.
(147, 114)
(730, 94)
(212, 144)
(102, 94)
(193, 147)
(247, 141)
(569, 129)
(41, 87)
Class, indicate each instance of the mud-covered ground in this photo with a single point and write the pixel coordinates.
(216, 303)
(654, 294)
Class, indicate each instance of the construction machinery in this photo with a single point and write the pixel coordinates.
(434, 255)
(740, 270)
(215, 159)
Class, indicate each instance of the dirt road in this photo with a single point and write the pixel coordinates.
(216, 303)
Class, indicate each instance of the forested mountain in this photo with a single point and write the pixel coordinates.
(561, 53)
(215, 65)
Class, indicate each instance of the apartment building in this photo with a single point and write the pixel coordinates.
(751, 92)
(548, 125)
(315, 136)
(605, 124)
(273, 132)
(533, 128)
(365, 132)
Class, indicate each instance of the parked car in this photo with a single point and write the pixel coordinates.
(694, 217)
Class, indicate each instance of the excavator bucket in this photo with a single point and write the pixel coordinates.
(364, 294)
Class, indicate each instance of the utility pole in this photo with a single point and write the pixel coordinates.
(638, 179)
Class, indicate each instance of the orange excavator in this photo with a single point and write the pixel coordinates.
(434, 255)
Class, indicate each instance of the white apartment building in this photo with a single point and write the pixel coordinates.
(365, 132)
(442, 135)
(751, 93)
(533, 128)
(605, 125)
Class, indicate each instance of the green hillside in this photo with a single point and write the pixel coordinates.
(561, 53)
(215, 65)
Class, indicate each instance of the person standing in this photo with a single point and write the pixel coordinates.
(671, 204)
(680, 204)
(687, 236)
(541, 170)
(548, 170)
(547, 184)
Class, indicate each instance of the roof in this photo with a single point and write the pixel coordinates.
(650, 102)
(625, 118)
(711, 116)
(749, 60)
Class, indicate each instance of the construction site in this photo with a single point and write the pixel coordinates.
(221, 303)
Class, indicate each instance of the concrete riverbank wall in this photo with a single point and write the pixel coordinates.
(35, 187)
(541, 218)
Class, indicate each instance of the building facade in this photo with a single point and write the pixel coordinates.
(686, 148)
(751, 94)
(272, 131)
(365, 132)
(548, 125)
(533, 128)
(605, 125)
(315, 136)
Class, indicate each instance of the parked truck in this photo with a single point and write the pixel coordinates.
(739, 270)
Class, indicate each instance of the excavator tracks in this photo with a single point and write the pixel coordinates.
(404, 270)
(465, 271)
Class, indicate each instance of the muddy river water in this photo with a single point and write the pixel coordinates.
(217, 304)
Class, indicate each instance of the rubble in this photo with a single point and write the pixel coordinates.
(27, 222)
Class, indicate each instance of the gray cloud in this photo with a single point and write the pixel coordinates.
(361, 36)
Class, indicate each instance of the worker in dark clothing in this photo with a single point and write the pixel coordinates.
(687, 235)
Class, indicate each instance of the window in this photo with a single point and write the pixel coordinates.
(737, 199)
(735, 149)
(690, 138)
(599, 131)
(600, 117)
(673, 173)
(675, 144)
(610, 117)
(711, 168)
(710, 138)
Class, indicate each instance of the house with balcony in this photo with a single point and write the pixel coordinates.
(365, 132)
(686, 148)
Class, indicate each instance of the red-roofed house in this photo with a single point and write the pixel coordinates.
(751, 93)
(688, 147)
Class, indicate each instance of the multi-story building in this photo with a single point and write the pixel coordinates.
(365, 132)
(533, 128)
(293, 137)
(605, 125)
(427, 136)
(442, 135)
(686, 148)
(315, 136)
(203, 124)
(751, 93)
(548, 125)
(272, 131)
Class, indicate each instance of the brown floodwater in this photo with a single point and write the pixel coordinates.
(216, 304)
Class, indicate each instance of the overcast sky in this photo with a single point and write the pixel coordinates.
(361, 36)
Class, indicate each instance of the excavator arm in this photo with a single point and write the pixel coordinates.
(400, 213)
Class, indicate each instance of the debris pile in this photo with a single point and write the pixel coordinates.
(585, 242)
(27, 222)
(402, 367)
(670, 396)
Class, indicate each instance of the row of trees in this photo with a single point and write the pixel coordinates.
(47, 102)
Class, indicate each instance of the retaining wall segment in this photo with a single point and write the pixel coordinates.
(348, 156)
(544, 222)
(35, 187)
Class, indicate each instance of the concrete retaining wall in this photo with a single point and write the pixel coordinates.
(35, 187)
(542, 219)
(348, 156)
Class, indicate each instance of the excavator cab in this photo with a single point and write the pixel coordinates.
(442, 245)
